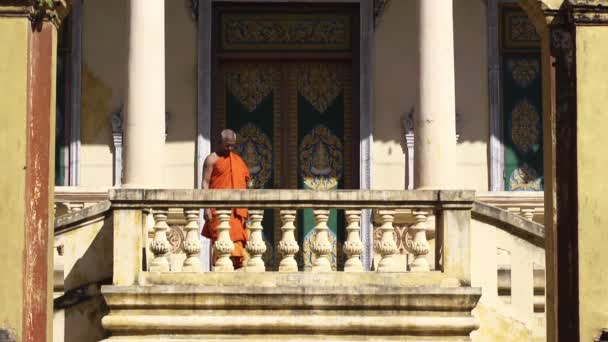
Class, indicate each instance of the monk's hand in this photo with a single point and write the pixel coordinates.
(207, 215)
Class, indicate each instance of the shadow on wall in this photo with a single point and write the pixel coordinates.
(92, 248)
(396, 87)
(104, 58)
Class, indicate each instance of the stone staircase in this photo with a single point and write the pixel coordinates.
(291, 307)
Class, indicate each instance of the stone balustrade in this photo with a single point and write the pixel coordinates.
(70, 199)
(146, 211)
(527, 204)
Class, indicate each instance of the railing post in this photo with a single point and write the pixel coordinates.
(353, 245)
(419, 245)
(256, 245)
(321, 246)
(387, 245)
(160, 245)
(288, 246)
(128, 245)
(454, 232)
(192, 242)
(223, 246)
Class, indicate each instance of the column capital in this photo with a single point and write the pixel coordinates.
(37, 11)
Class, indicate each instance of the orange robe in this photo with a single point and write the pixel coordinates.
(230, 172)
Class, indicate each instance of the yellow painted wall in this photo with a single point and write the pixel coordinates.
(103, 81)
(592, 74)
(13, 101)
(396, 84)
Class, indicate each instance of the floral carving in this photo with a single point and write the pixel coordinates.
(522, 29)
(175, 236)
(524, 126)
(249, 86)
(285, 31)
(321, 159)
(523, 71)
(256, 150)
(320, 84)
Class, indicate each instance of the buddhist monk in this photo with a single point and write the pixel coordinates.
(224, 169)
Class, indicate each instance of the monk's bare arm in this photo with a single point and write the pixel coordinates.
(207, 170)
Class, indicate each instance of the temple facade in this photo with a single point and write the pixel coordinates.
(421, 170)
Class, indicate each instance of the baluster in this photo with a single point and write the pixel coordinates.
(160, 245)
(387, 245)
(528, 213)
(419, 246)
(74, 206)
(353, 245)
(288, 246)
(256, 245)
(192, 242)
(321, 246)
(223, 246)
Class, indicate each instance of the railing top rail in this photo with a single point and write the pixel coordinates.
(295, 199)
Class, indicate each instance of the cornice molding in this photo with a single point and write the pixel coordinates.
(589, 12)
(38, 11)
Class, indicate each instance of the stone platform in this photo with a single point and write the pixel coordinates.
(291, 307)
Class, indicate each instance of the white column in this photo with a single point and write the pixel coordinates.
(435, 129)
(145, 115)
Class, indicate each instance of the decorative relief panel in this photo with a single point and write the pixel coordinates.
(250, 86)
(525, 178)
(285, 32)
(320, 84)
(524, 126)
(308, 255)
(524, 71)
(255, 148)
(321, 159)
(175, 235)
(518, 31)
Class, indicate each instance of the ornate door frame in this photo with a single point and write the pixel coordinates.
(365, 104)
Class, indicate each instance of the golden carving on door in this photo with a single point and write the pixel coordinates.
(320, 84)
(321, 159)
(256, 150)
(250, 86)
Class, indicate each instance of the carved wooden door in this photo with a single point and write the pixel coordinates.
(283, 81)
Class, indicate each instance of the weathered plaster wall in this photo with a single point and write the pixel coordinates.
(103, 90)
(592, 73)
(88, 263)
(395, 92)
(13, 101)
(499, 320)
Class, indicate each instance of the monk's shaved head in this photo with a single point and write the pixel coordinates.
(228, 135)
(227, 142)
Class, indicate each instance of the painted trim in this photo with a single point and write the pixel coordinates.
(76, 91)
(204, 110)
(497, 149)
(366, 107)
(37, 190)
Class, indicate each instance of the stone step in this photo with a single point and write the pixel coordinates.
(290, 313)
